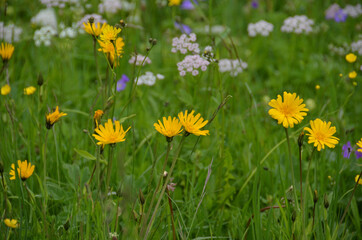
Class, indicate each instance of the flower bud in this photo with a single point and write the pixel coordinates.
(1, 167)
(40, 79)
(154, 42)
(300, 139)
(294, 215)
(141, 197)
(315, 196)
(326, 203)
(122, 23)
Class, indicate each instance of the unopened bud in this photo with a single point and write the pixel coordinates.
(91, 20)
(1, 167)
(154, 42)
(122, 23)
(294, 215)
(148, 49)
(150, 40)
(165, 173)
(315, 196)
(40, 79)
(326, 203)
(141, 197)
(300, 139)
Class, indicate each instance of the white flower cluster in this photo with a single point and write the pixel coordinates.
(113, 6)
(10, 33)
(97, 19)
(45, 17)
(44, 36)
(185, 43)
(341, 50)
(297, 24)
(68, 32)
(192, 64)
(138, 59)
(357, 47)
(234, 66)
(58, 3)
(216, 29)
(262, 27)
(149, 78)
(353, 11)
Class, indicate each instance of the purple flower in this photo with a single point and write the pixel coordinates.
(347, 149)
(183, 28)
(255, 4)
(121, 83)
(358, 154)
(187, 4)
(340, 16)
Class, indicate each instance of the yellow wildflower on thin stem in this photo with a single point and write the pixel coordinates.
(6, 51)
(288, 111)
(351, 58)
(321, 134)
(359, 144)
(174, 2)
(108, 135)
(169, 128)
(94, 29)
(109, 33)
(5, 90)
(352, 74)
(192, 124)
(13, 223)
(97, 117)
(112, 50)
(358, 179)
(53, 117)
(25, 170)
(29, 90)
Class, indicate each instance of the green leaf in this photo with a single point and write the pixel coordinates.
(85, 154)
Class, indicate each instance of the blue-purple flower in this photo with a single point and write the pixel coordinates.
(347, 149)
(121, 83)
(358, 154)
(188, 4)
(254, 4)
(340, 16)
(183, 28)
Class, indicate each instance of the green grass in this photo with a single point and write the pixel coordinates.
(250, 168)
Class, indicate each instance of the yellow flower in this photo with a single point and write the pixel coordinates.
(351, 58)
(169, 128)
(109, 33)
(321, 133)
(54, 117)
(13, 223)
(317, 87)
(5, 90)
(108, 49)
(25, 170)
(359, 144)
(360, 179)
(192, 124)
(352, 75)
(97, 117)
(288, 112)
(174, 2)
(109, 135)
(6, 51)
(29, 90)
(94, 29)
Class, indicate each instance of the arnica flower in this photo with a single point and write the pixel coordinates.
(25, 170)
(352, 75)
(6, 51)
(321, 133)
(5, 90)
(351, 58)
(288, 112)
(54, 117)
(97, 117)
(317, 87)
(13, 223)
(109, 33)
(108, 135)
(94, 29)
(108, 49)
(347, 149)
(169, 128)
(174, 2)
(192, 124)
(359, 144)
(29, 90)
(360, 179)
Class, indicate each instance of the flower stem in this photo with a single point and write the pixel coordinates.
(172, 218)
(350, 200)
(291, 166)
(109, 169)
(163, 188)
